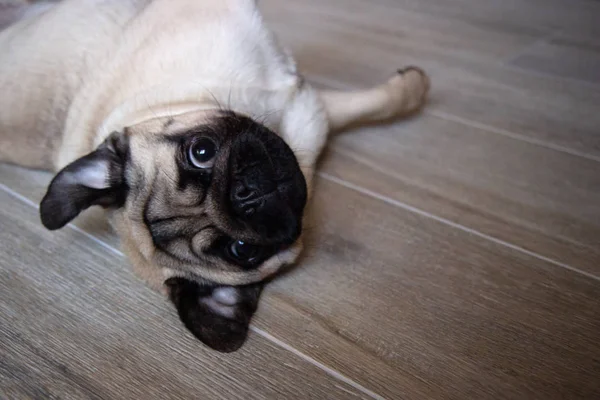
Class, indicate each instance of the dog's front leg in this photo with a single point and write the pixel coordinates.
(402, 94)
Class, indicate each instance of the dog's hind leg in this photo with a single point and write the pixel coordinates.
(401, 95)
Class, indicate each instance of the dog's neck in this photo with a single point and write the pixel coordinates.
(264, 104)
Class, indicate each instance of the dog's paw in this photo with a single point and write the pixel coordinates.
(418, 77)
(408, 90)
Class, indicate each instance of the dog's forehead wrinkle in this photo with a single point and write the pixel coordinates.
(184, 202)
(167, 200)
(180, 216)
(165, 173)
(177, 226)
(179, 248)
(184, 215)
(203, 239)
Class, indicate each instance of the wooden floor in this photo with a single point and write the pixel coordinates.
(455, 255)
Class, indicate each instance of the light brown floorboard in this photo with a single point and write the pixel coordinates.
(395, 26)
(273, 314)
(461, 315)
(407, 306)
(563, 57)
(533, 197)
(76, 324)
(360, 51)
(539, 16)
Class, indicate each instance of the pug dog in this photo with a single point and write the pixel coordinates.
(190, 125)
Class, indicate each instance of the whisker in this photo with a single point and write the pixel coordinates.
(215, 99)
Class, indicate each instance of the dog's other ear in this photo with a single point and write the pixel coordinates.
(95, 179)
(217, 315)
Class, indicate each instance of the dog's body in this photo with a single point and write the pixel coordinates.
(96, 88)
(117, 65)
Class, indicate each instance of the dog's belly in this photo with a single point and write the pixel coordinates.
(42, 66)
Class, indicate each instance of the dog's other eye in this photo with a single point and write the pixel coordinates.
(202, 152)
(245, 252)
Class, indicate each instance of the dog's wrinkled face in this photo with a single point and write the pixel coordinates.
(210, 206)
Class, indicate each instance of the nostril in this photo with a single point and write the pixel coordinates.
(249, 194)
(242, 192)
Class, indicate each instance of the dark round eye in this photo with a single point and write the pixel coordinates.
(245, 252)
(202, 153)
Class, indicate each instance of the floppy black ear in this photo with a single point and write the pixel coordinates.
(95, 179)
(217, 315)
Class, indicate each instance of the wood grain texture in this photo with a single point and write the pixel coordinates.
(543, 16)
(76, 324)
(396, 26)
(412, 308)
(530, 196)
(563, 57)
(458, 315)
(411, 285)
(363, 49)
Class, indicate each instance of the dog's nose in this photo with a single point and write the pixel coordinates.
(267, 191)
(248, 193)
(251, 186)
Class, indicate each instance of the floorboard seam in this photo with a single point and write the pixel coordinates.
(453, 224)
(329, 371)
(310, 360)
(399, 177)
(512, 135)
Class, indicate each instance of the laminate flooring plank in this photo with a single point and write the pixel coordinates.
(563, 57)
(536, 198)
(456, 314)
(372, 372)
(501, 151)
(541, 16)
(359, 49)
(403, 304)
(393, 24)
(76, 324)
(412, 308)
